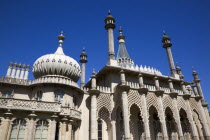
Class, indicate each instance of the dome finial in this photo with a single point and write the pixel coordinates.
(109, 12)
(61, 37)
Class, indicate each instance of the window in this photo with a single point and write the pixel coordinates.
(58, 95)
(99, 130)
(38, 95)
(18, 129)
(7, 94)
(41, 130)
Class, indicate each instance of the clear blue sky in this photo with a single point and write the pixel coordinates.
(29, 30)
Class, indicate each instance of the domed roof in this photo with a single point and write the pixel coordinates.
(57, 64)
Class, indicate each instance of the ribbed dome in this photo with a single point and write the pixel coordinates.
(57, 64)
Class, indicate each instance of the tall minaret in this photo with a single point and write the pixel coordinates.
(109, 21)
(83, 61)
(167, 45)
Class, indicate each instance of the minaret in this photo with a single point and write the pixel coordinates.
(110, 26)
(197, 83)
(83, 61)
(167, 45)
(123, 57)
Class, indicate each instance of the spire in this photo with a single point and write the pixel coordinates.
(123, 57)
(122, 51)
(61, 38)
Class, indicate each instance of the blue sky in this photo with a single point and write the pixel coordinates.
(29, 30)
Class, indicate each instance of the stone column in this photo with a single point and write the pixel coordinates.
(190, 118)
(17, 75)
(31, 126)
(162, 116)
(53, 127)
(9, 70)
(13, 70)
(124, 99)
(113, 119)
(63, 128)
(145, 113)
(6, 123)
(159, 94)
(141, 81)
(26, 72)
(93, 107)
(69, 130)
(176, 115)
(204, 121)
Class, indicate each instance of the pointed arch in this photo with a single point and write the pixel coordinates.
(134, 98)
(181, 103)
(171, 124)
(167, 102)
(151, 100)
(136, 123)
(186, 127)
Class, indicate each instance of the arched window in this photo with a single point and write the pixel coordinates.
(38, 95)
(58, 95)
(99, 130)
(18, 130)
(7, 94)
(41, 130)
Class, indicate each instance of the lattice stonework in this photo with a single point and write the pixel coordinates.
(104, 114)
(151, 100)
(167, 102)
(134, 98)
(104, 100)
(181, 103)
(194, 105)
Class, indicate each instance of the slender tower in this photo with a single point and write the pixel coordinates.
(110, 26)
(167, 45)
(83, 61)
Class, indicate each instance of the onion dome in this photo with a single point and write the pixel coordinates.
(57, 64)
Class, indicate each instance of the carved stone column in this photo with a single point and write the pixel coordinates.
(204, 120)
(31, 126)
(159, 94)
(5, 126)
(190, 117)
(69, 130)
(93, 108)
(143, 92)
(63, 127)
(113, 119)
(124, 100)
(53, 127)
(176, 115)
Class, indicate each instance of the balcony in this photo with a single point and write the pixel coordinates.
(39, 106)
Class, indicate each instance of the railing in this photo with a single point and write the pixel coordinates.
(19, 104)
(47, 79)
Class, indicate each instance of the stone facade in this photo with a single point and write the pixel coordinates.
(122, 101)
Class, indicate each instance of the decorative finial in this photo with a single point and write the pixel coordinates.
(120, 30)
(109, 12)
(61, 37)
(164, 33)
(93, 73)
(83, 49)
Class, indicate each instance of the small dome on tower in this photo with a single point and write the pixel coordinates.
(57, 64)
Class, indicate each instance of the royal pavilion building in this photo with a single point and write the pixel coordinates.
(122, 101)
